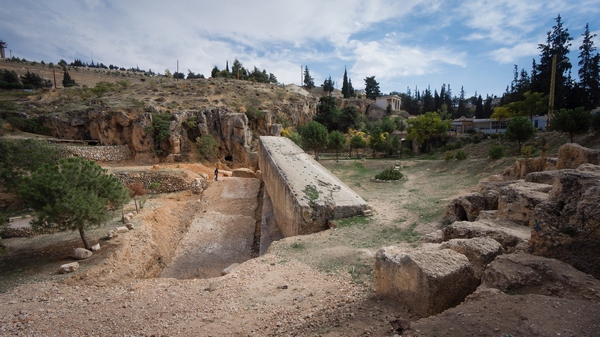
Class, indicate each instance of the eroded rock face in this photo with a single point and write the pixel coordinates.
(524, 166)
(467, 208)
(517, 200)
(427, 281)
(570, 156)
(529, 274)
(570, 214)
(509, 238)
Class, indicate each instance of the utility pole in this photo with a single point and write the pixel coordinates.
(552, 87)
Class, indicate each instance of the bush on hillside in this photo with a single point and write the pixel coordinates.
(389, 174)
(461, 155)
(496, 151)
(449, 155)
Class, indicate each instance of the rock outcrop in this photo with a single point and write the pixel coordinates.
(560, 206)
(570, 156)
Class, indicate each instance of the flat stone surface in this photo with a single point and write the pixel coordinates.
(290, 176)
(221, 234)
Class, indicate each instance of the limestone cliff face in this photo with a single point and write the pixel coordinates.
(230, 129)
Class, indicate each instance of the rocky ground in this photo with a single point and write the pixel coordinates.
(304, 286)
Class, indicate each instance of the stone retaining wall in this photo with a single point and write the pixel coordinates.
(101, 153)
(168, 182)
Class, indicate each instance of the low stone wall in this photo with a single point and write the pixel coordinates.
(101, 153)
(305, 195)
(168, 182)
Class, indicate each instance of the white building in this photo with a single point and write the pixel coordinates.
(394, 101)
(491, 125)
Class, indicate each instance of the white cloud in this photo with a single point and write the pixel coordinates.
(387, 61)
(507, 55)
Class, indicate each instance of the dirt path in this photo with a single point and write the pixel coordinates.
(221, 232)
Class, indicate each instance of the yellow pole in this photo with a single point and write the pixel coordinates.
(552, 88)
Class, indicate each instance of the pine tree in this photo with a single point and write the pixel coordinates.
(350, 88)
(449, 101)
(428, 101)
(67, 80)
(461, 110)
(487, 107)
(309, 82)
(75, 194)
(479, 107)
(372, 88)
(557, 45)
(328, 85)
(214, 72)
(589, 71)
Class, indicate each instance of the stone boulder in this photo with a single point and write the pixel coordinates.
(528, 274)
(545, 177)
(425, 281)
(480, 251)
(243, 173)
(467, 207)
(517, 200)
(81, 253)
(68, 267)
(589, 168)
(571, 155)
(508, 237)
(525, 166)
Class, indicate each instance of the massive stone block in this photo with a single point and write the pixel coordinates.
(305, 195)
(480, 251)
(426, 281)
(509, 238)
(518, 200)
(571, 155)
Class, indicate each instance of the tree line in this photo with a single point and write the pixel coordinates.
(239, 72)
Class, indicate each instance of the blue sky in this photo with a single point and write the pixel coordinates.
(408, 43)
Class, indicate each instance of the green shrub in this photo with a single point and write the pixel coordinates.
(31, 125)
(389, 174)
(449, 155)
(528, 151)
(496, 151)
(476, 139)
(207, 146)
(461, 155)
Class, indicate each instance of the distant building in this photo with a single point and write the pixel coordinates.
(394, 101)
(491, 125)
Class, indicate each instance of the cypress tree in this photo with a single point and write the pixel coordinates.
(345, 88)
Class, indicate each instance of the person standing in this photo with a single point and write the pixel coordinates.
(217, 174)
